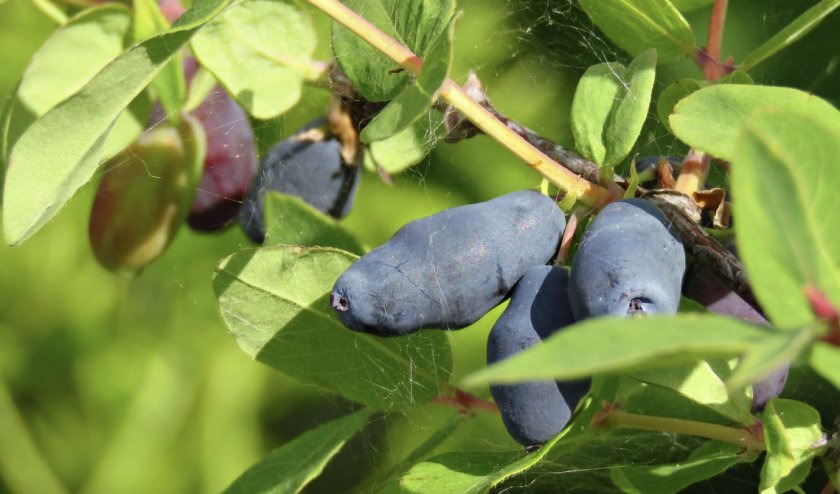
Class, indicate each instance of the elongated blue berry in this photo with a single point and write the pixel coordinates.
(629, 262)
(534, 411)
(447, 270)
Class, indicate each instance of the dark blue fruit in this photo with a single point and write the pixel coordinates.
(305, 166)
(535, 411)
(629, 262)
(449, 269)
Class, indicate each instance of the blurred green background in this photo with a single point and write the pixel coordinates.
(111, 385)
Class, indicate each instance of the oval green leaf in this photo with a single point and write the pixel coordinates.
(785, 180)
(610, 106)
(95, 36)
(261, 52)
(711, 118)
(638, 25)
(275, 301)
(406, 148)
(61, 150)
(679, 90)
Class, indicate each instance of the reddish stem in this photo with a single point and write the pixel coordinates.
(824, 310)
(466, 403)
(568, 236)
(711, 63)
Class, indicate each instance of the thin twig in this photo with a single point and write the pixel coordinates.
(588, 193)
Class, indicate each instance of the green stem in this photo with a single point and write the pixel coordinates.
(586, 192)
(732, 435)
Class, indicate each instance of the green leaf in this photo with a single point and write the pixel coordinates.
(584, 455)
(610, 106)
(60, 151)
(784, 174)
(95, 36)
(201, 85)
(441, 433)
(791, 33)
(589, 458)
(474, 472)
(766, 357)
(671, 95)
(707, 461)
(467, 472)
(292, 221)
(170, 85)
(595, 97)
(825, 359)
(675, 92)
(638, 25)
(289, 468)
(791, 432)
(691, 5)
(275, 301)
(642, 398)
(261, 52)
(416, 100)
(711, 118)
(414, 23)
(406, 148)
(609, 344)
(703, 383)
